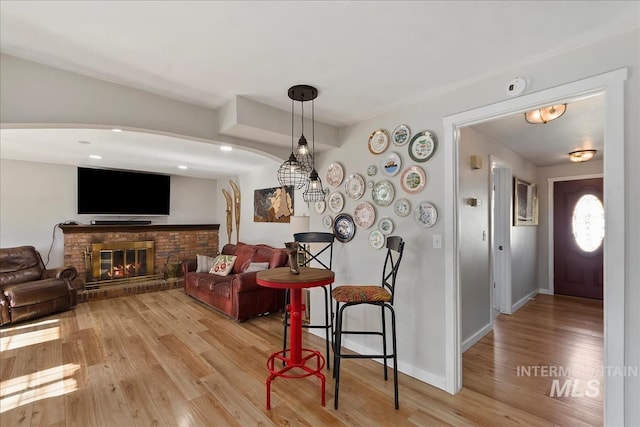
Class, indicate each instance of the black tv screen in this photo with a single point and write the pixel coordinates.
(118, 192)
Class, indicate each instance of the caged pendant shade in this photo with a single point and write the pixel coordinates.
(299, 169)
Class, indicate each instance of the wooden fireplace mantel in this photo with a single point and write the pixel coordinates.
(133, 228)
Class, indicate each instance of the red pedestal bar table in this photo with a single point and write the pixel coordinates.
(296, 358)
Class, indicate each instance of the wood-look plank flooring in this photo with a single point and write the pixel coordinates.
(162, 358)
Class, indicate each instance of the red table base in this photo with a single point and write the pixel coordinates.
(308, 356)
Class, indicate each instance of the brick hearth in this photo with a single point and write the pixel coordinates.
(182, 240)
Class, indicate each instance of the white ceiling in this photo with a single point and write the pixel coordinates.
(365, 57)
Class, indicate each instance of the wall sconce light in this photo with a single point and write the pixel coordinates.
(579, 156)
(476, 162)
(545, 114)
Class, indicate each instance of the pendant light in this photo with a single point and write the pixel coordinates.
(314, 191)
(303, 93)
(291, 172)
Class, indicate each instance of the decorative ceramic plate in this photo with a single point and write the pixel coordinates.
(354, 186)
(413, 179)
(327, 221)
(383, 193)
(370, 184)
(343, 227)
(336, 202)
(376, 239)
(390, 164)
(425, 214)
(335, 174)
(402, 207)
(378, 141)
(401, 135)
(364, 215)
(319, 206)
(371, 170)
(385, 225)
(422, 146)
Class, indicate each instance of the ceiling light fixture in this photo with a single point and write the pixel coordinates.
(545, 114)
(183, 167)
(291, 172)
(95, 156)
(116, 130)
(579, 156)
(226, 148)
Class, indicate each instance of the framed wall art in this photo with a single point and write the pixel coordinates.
(273, 204)
(525, 202)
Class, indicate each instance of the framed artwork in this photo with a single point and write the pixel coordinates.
(525, 202)
(273, 204)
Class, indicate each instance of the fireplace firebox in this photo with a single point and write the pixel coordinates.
(119, 261)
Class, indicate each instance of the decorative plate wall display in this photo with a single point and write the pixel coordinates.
(364, 215)
(425, 214)
(319, 206)
(354, 186)
(385, 225)
(376, 239)
(401, 135)
(402, 207)
(390, 164)
(383, 193)
(327, 221)
(336, 202)
(422, 146)
(413, 179)
(371, 170)
(343, 227)
(335, 174)
(378, 141)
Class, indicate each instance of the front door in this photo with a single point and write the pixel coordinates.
(578, 232)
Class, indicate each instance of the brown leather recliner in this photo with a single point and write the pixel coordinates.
(29, 289)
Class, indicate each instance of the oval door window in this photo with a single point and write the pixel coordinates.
(588, 223)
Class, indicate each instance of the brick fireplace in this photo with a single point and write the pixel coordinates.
(89, 248)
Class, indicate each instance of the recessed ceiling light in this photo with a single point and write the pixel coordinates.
(183, 167)
(84, 142)
(226, 148)
(116, 130)
(95, 156)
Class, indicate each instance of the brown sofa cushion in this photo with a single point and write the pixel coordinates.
(245, 254)
(35, 292)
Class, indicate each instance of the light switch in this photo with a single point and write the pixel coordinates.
(437, 241)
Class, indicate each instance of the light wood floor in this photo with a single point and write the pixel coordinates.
(163, 359)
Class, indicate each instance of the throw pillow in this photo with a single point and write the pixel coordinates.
(204, 263)
(223, 265)
(257, 266)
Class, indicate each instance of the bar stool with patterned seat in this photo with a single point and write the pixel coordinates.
(378, 295)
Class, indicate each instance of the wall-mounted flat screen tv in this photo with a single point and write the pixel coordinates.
(120, 192)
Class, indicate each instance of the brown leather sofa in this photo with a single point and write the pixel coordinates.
(237, 294)
(29, 289)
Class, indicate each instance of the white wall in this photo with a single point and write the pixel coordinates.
(270, 233)
(475, 282)
(35, 197)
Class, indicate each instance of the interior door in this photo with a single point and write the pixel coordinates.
(578, 232)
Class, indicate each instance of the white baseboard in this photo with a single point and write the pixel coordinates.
(469, 342)
(523, 301)
(405, 368)
(545, 291)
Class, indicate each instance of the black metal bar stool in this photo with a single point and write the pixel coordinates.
(379, 295)
(325, 241)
